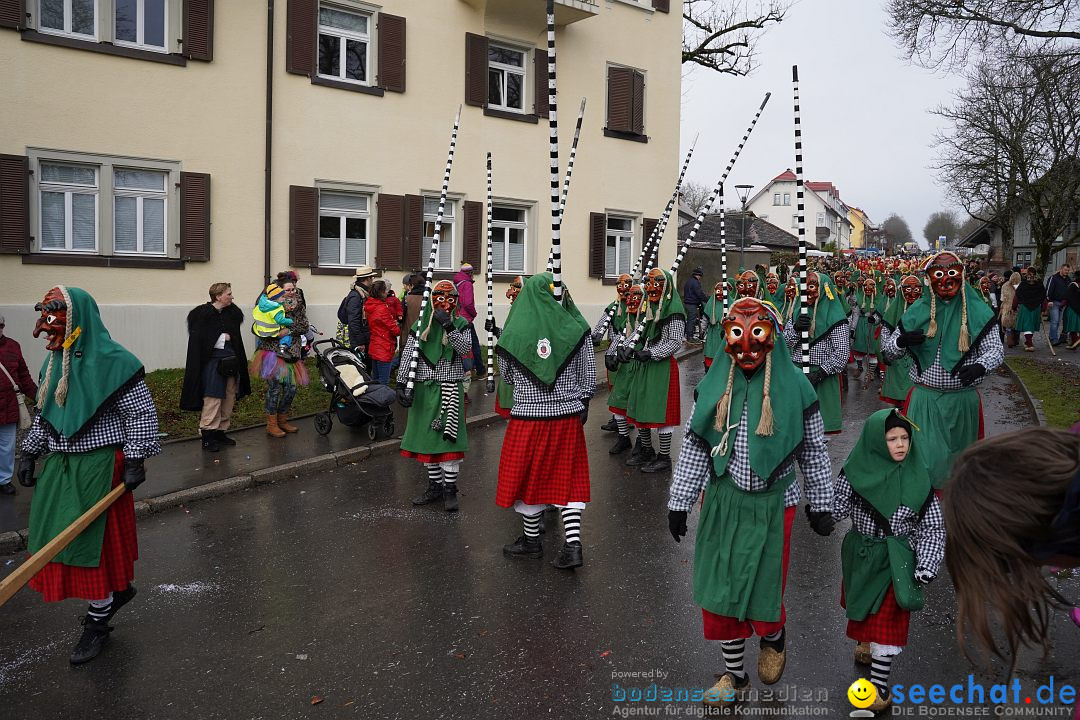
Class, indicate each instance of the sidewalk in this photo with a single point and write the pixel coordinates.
(258, 458)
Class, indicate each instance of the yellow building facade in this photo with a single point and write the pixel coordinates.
(859, 223)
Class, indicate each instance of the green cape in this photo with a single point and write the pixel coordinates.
(830, 308)
(432, 350)
(948, 316)
(670, 304)
(883, 482)
(541, 334)
(98, 367)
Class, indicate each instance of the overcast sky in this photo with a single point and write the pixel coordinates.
(864, 113)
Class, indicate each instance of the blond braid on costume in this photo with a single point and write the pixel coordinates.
(964, 343)
(723, 405)
(765, 425)
(65, 372)
(932, 330)
(43, 389)
(427, 328)
(813, 323)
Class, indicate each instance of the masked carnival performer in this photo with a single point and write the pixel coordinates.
(98, 424)
(714, 335)
(748, 285)
(827, 324)
(617, 396)
(435, 432)
(773, 292)
(952, 338)
(755, 415)
(897, 383)
(613, 330)
(866, 343)
(545, 355)
(653, 396)
(504, 393)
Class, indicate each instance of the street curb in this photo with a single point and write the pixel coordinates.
(1034, 406)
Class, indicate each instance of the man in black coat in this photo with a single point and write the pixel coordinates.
(351, 311)
(694, 298)
(216, 373)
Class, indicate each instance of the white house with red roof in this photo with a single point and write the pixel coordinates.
(826, 214)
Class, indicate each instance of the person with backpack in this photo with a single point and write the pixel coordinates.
(351, 311)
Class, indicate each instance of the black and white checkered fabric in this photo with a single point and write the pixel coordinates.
(927, 535)
(672, 334)
(605, 328)
(989, 353)
(447, 369)
(130, 422)
(693, 467)
(573, 387)
(830, 352)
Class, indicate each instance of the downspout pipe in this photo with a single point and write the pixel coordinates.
(268, 172)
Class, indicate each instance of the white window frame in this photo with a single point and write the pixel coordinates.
(504, 68)
(787, 198)
(140, 195)
(512, 225)
(68, 190)
(794, 221)
(776, 199)
(631, 233)
(343, 215)
(344, 35)
(449, 221)
(140, 15)
(821, 220)
(67, 32)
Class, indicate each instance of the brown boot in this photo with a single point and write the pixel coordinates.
(272, 428)
(283, 423)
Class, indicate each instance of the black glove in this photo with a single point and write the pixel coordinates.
(584, 413)
(924, 577)
(821, 522)
(625, 354)
(25, 472)
(816, 376)
(134, 473)
(643, 355)
(611, 363)
(872, 319)
(970, 373)
(491, 327)
(443, 318)
(802, 323)
(676, 522)
(911, 337)
(404, 397)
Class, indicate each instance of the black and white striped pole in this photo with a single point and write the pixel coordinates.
(717, 191)
(490, 302)
(569, 171)
(723, 254)
(553, 137)
(800, 209)
(432, 256)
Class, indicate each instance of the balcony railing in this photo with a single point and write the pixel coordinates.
(532, 13)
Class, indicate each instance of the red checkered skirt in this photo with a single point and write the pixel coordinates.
(436, 458)
(119, 551)
(544, 462)
(673, 411)
(888, 626)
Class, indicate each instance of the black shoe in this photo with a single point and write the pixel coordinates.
(95, 636)
(7, 488)
(209, 441)
(223, 439)
(647, 456)
(434, 492)
(610, 425)
(662, 463)
(621, 445)
(569, 556)
(449, 500)
(525, 547)
(120, 599)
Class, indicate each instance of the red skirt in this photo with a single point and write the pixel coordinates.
(119, 551)
(708, 363)
(544, 462)
(888, 626)
(499, 409)
(673, 411)
(437, 458)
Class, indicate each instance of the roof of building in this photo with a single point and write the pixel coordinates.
(786, 176)
(758, 232)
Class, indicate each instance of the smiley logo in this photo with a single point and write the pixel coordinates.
(862, 693)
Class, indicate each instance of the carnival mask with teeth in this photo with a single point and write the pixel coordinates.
(911, 289)
(634, 297)
(514, 289)
(654, 285)
(53, 320)
(772, 282)
(946, 275)
(444, 296)
(890, 288)
(747, 285)
(622, 286)
(750, 335)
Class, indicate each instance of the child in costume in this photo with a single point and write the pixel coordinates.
(504, 392)
(714, 336)
(269, 318)
(435, 433)
(895, 545)
(827, 325)
(897, 383)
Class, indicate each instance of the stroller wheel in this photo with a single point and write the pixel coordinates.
(388, 427)
(372, 431)
(323, 423)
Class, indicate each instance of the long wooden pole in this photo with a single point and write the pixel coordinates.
(14, 582)
(569, 172)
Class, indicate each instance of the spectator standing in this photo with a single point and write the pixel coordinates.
(693, 298)
(1030, 303)
(15, 374)
(384, 331)
(1057, 293)
(463, 281)
(351, 310)
(216, 373)
(1008, 309)
(393, 302)
(1071, 321)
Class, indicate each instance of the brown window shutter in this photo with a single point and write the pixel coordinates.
(194, 216)
(661, 5)
(388, 247)
(12, 14)
(647, 227)
(597, 243)
(620, 99)
(474, 227)
(199, 29)
(540, 82)
(14, 204)
(301, 36)
(391, 52)
(414, 231)
(476, 54)
(303, 226)
(637, 119)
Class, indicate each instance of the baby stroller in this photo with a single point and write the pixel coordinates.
(355, 398)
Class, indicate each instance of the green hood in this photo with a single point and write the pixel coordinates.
(948, 316)
(883, 482)
(830, 310)
(541, 334)
(432, 347)
(97, 368)
(656, 313)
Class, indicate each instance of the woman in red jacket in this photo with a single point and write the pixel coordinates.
(15, 376)
(384, 331)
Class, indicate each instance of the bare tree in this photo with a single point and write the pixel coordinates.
(943, 222)
(968, 226)
(722, 35)
(694, 194)
(895, 232)
(936, 33)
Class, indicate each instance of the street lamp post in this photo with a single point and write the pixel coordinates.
(744, 193)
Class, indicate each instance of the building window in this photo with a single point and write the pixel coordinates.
(506, 78)
(445, 260)
(68, 17)
(1023, 258)
(509, 230)
(625, 104)
(787, 198)
(619, 245)
(776, 199)
(142, 23)
(821, 219)
(343, 229)
(69, 208)
(344, 45)
(139, 212)
(794, 221)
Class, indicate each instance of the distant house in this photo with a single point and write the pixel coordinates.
(826, 214)
(742, 231)
(1023, 252)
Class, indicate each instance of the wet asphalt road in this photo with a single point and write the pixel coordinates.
(256, 604)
